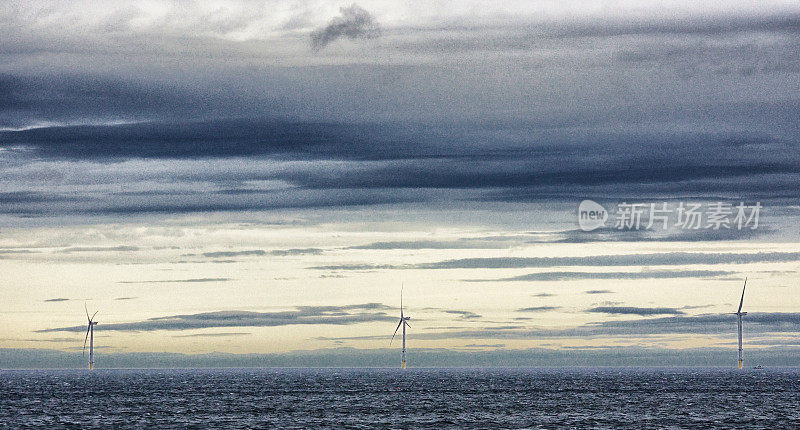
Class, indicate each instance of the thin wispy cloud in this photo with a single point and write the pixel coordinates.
(226, 334)
(120, 248)
(178, 281)
(632, 310)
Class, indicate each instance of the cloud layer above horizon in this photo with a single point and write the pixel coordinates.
(577, 101)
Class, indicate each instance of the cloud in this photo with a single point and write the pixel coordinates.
(654, 259)
(576, 276)
(598, 292)
(539, 309)
(484, 345)
(467, 315)
(179, 281)
(354, 266)
(610, 234)
(218, 254)
(353, 23)
(433, 244)
(707, 324)
(296, 251)
(659, 259)
(261, 252)
(120, 248)
(60, 299)
(126, 298)
(302, 315)
(630, 310)
(226, 334)
(18, 251)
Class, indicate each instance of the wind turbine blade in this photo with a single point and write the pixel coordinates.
(92, 319)
(741, 302)
(87, 311)
(395, 331)
(401, 301)
(86, 338)
(407, 323)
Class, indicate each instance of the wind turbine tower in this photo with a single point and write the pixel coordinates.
(89, 337)
(403, 322)
(739, 314)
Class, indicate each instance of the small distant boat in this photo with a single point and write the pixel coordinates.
(759, 367)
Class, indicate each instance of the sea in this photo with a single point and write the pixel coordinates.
(604, 398)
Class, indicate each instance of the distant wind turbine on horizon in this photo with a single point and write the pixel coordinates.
(739, 314)
(403, 322)
(89, 336)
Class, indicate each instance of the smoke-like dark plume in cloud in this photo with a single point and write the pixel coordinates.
(353, 23)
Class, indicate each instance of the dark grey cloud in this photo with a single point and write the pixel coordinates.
(302, 315)
(353, 23)
(708, 324)
(467, 315)
(598, 292)
(41, 97)
(768, 22)
(657, 259)
(413, 129)
(539, 309)
(632, 310)
(576, 276)
(614, 260)
(60, 299)
(515, 35)
(397, 163)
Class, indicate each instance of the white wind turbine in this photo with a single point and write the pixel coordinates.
(90, 337)
(739, 314)
(403, 322)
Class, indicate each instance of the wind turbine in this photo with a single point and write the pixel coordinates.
(403, 322)
(739, 314)
(89, 336)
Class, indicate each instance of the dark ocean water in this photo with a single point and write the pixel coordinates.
(360, 398)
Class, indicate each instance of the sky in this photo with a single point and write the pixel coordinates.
(262, 178)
